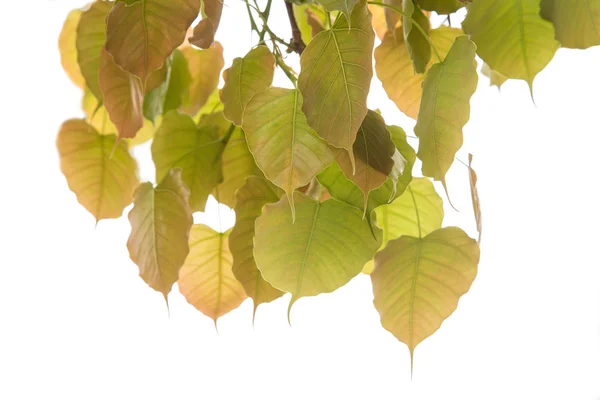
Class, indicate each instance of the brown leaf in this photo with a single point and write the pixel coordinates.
(204, 32)
(205, 67)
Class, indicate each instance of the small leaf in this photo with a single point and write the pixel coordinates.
(417, 44)
(68, 49)
(204, 32)
(345, 6)
(445, 108)
(142, 34)
(577, 23)
(496, 78)
(205, 67)
(160, 225)
(325, 248)
(285, 148)
(417, 282)
(250, 200)
(335, 77)
(99, 171)
(206, 280)
(440, 6)
(246, 77)
(475, 198)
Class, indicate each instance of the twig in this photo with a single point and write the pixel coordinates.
(296, 44)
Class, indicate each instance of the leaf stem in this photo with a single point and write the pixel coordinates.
(228, 134)
(297, 44)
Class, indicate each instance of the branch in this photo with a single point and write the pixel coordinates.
(296, 45)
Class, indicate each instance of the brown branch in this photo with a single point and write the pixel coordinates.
(296, 44)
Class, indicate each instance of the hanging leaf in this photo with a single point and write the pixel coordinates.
(475, 197)
(68, 49)
(247, 76)
(419, 49)
(393, 19)
(325, 248)
(102, 179)
(204, 32)
(378, 20)
(311, 19)
(285, 148)
(154, 100)
(196, 150)
(396, 73)
(123, 96)
(179, 82)
(417, 282)
(577, 23)
(335, 78)
(142, 34)
(496, 78)
(160, 225)
(206, 280)
(91, 37)
(344, 6)
(205, 67)
(250, 200)
(527, 44)
(440, 6)
(445, 108)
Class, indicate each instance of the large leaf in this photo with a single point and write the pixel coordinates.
(206, 280)
(396, 73)
(142, 34)
(196, 150)
(204, 32)
(417, 282)
(325, 248)
(511, 36)
(123, 96)
(440, 6)
(445, 108)
(205, 67)
(246, 77)
(160, 225)
(419, 49)
(475, 198)
(91, 37)
(285, 148)
(336, 76)
(99, 171)
(577, 22)
(68, 49)
(250, 200)
(345, 6)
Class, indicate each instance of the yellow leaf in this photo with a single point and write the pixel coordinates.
(496, 78)
(577, 22)
(68, 50)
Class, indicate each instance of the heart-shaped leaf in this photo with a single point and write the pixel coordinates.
(68, 48)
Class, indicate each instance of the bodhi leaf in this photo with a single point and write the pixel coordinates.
(345, 6)
(577, 22)
(320, 252)
(99, 171)
(419, 49)
(247, 76)
(160, 225)
(285, 148)
(205, 67)
(196, 150)
(206, 280)
(378, 20)
(496, 78)
(250, 200)
(475, 197)
(91, 37)
(417, 282)
(335, 77)
(204, 32)
(440, 6)
(142, 34)
(311, 19)
(68, 49)
(179, 82)
(511, 36)
(445, 108)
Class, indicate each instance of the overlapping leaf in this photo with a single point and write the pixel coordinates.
(440, 6)
(577, 22)
(205, 67)
(311, 19)
(68, 48)
(344, 6)
(204, 32)
(419, 49)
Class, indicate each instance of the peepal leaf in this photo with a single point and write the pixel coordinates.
(205, 67)
(160, 225)
(285, 148)
(204, 32)
(325, 248)
(250, 200)
(335, 77)
(68, 49)
(102, 179)
(247, 76)
(417, 282)
(577, 22)
(142, 34)
(206, 280)
(417, 44)
(345, 6)
(475, 198)
(445, 108)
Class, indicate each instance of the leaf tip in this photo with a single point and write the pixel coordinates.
(448, 195)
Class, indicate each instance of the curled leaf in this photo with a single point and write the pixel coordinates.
(204, 32)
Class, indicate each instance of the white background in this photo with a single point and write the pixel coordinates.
(76, 322)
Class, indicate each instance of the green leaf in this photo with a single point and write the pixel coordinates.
(325, 248)
(196, 150)
(445, 108)
(99, 171)
(311, 19)
(336, 76)
(285, 148)
(179, 82)
(142, 34)
(204, 32)
(205, 67)
(206, 280)
(496, 78)
(250, 200)
(511, 36)
(68, 49)
(154, 100)
(440, 6)
(160, 225)
(345, 6)
(417, 282)
(419, 49)
(577, 22)
(475, 198)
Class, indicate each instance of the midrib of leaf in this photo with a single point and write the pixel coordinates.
(519, 7)
(437, 84)
(339, 54)
(102, 170)
(412, 195)
(240, 86)
(154, 239)
(293, 141)
(146, 41)
(413, 291)
(219, 276)
(366, 192)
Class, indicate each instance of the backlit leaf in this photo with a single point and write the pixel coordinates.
(345, 6)
(440, 6)
(577, 22)
(445, 108)
(206, 280)
(205, 67)
(142, 34)
(496, 78)
(160, 225)
(378, 20)
(179, 82)
(68, 49)
(419, 49)
(204, 32)
(246, 77)
(335, 77)
(103, 180)
(475, 197)
(250, 200)
(417, 282)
